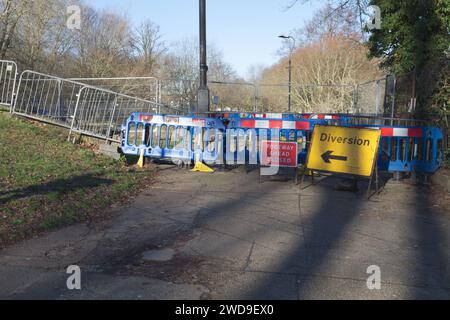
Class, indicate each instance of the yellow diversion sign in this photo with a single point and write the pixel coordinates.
(343, 150)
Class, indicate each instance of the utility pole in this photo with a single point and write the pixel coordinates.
(203, 90)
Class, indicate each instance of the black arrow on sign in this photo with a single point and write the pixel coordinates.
(327, 157)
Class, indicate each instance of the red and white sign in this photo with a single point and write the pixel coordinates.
(278, 153)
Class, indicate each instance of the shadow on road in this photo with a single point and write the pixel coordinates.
(62, 186)
(324, 228)
(432, 272)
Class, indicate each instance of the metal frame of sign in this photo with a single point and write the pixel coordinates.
(374, 170)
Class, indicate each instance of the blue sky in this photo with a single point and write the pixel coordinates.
(246, 31)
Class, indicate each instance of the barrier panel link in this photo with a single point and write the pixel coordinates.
(8, 75)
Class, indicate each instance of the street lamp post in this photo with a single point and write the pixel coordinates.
(203, 102)
(290, 68)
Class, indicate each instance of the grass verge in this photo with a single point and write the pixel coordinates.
(47, 183)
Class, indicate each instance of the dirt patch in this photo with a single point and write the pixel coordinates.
(183, 268)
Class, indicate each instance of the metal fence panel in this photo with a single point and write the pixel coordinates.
(47, 98)
(370, 97)
(8, 75)
(100, 113)
(79, 107)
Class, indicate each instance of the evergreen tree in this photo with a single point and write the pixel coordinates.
(413, 32)
(415, 36)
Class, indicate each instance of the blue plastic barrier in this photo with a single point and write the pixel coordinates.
(233, 138)
(172, 137)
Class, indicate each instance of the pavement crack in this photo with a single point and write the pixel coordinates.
(247, 262)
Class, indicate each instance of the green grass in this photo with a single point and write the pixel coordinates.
(47, 183)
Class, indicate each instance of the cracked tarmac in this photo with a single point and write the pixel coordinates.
(234, 238)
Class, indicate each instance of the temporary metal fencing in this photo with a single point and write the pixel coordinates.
(98, 106)
(370, 97)
(79, 107)
(148, 88)
(46, 98)
(226, 96)
(8, 75)
(321, 98)
(100, 112)
(324, 98)
(367, 98)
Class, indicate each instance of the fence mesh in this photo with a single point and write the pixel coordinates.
(82, 108)
(370, 97)
(101, 112)
(45, 97)
(310, 98)
(233, 96)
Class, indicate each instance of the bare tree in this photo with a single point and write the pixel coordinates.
(343, 15)
(41, 37)
(359, 6)
(181, 69)
(323, 75)
(148, 44)
(104, 44)
(11, 13)
(254, 73)
(330, 22)
(219, 69)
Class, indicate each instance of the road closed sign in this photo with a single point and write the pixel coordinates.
(279, 154)
(343, 150)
